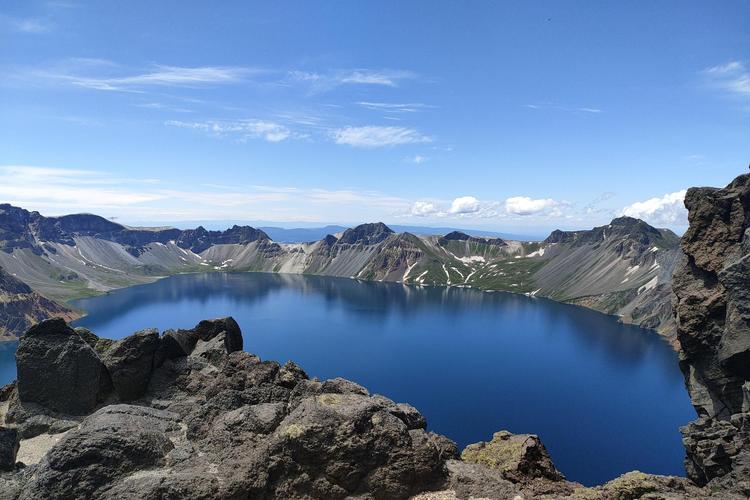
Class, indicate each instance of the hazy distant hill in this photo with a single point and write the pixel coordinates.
(623, 268)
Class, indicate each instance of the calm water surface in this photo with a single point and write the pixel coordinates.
(604, 397)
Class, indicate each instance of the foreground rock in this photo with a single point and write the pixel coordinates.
(214, 422)
(9, 444)
(204, 420)
(57, 369)
(712, 288)
(516, 456)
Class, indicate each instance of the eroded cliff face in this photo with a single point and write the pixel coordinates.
(21, 307)
(712, 308)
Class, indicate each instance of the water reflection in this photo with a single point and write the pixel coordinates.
(375, 302)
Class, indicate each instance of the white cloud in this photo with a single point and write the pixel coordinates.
(732, 77)
(464, 205)
(244, 129)
(523, 205)
(424, 209)
(377, 136)
(667, 210)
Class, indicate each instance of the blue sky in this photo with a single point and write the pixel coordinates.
(500, 115)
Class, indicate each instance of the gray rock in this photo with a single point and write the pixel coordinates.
(130, 362)
(57, 369)
(177, 344)
(9, 443)
(110, 444)
(208, 329)
(409, 415)
(340, 385)
(518, 457)
(43, 424)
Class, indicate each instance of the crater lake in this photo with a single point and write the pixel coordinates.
(604, 397)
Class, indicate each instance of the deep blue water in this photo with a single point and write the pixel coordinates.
(604, 397)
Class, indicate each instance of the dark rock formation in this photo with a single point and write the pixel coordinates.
(9, 443)
(208, 329)
(712, 289)
(57, 369)
(130, 362)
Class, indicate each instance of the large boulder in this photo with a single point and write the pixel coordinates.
(517, 457)
(207, 329)
(9, 445)
(130, 362)
(57, 369)
(112, 443)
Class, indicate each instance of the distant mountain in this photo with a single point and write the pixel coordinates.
(432, 231)
(623, 268)
(300, 234)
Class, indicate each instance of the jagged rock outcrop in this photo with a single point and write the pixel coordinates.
(712, 289)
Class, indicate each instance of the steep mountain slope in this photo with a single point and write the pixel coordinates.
(623, 268)
(21, 307)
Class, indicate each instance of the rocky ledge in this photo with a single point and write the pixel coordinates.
(189, 414)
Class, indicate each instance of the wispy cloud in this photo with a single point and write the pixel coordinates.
(322, 82)
(100, 74)
(58, 191)
(388, 107)
(557, 107)
(417, 159)
(162, 106)
(732, 77)
(667, 210)
(32, 26)
(241, 129)
(377, 136)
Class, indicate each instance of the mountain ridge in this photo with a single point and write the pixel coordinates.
(623, 268)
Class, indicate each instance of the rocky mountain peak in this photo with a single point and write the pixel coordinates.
(368, 234)
(456, 236)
